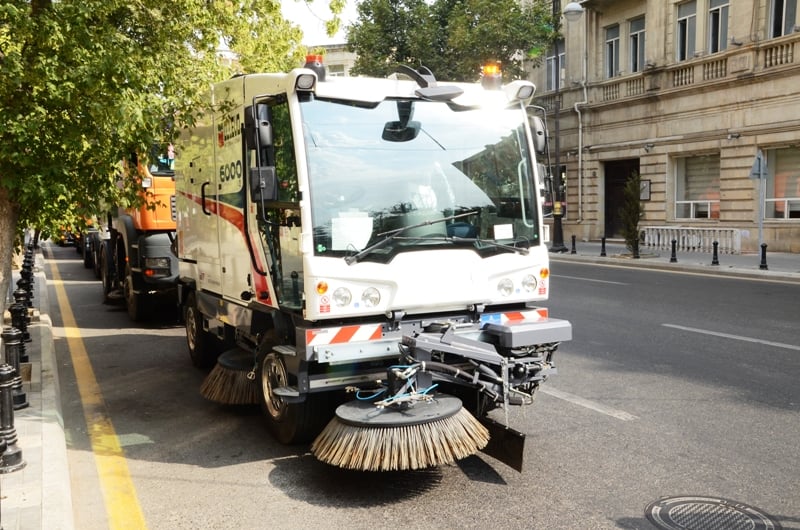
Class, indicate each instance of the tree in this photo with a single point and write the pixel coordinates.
(451, 37)
(631, 211)
(87, 83)
(387, 33)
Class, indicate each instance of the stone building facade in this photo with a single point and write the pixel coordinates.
(689, 94)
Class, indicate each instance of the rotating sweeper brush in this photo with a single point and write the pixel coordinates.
(406, 424)
(411, 429)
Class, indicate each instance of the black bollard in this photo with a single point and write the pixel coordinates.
(3, 447)
(715, 256)
(22, 294)
(763, 264)
(23, 316)
(673, 258)
(12, 458)
(573, 251)
(295, 285)
(12, 339)
(19, 321)
(636, 248)
(603, 247)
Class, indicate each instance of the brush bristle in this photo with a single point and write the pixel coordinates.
(229, 387)
(400, 447)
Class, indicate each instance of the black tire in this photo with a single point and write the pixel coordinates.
(204, 348)
(105, 274)
(289, 423)
(136, 303)
(88, 259)
(96, 263)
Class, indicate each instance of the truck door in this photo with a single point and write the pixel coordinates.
(278, 223)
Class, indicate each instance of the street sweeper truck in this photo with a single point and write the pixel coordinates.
(365, 258)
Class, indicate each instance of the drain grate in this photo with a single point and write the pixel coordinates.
(707, 513)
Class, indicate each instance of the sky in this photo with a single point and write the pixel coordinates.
(310, 15)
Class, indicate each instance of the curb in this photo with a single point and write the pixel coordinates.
(648, 263)
(56, 488)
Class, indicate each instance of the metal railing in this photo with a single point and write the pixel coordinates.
(690, 239)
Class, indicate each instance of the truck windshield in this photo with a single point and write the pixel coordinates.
(413, 175)
(161, 159)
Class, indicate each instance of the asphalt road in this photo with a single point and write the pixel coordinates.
(674, 384)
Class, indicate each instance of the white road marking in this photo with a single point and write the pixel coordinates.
(587, 279)
(735, 337)
(589, 404)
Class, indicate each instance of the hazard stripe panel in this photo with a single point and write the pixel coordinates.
(343, 334)
(534, 315)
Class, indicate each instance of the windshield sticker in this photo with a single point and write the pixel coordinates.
(505, 231)
(351, 230)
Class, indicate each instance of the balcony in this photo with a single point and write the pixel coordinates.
(772, 56)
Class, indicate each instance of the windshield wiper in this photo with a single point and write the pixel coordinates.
(396, 233)
(457, 239)
(490, 242)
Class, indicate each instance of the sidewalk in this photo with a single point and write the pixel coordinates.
(780, 266)
(38, 495)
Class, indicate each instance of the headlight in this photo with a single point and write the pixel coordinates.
(505, 287)
(156, 263)
(342, 297)
(529, 283)
(371, 297)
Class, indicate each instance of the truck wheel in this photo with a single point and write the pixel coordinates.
(289, 423)
(135, 302)
(88, 257)
(96, 263)
(105, 273)
(202, 349)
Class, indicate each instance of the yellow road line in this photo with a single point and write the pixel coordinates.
(122, 505)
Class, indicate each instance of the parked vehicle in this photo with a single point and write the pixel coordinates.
(133, 250)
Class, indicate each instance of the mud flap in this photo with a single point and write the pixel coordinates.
(505, 444)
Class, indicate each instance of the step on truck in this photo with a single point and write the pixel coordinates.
(335, 229)
(133, 247)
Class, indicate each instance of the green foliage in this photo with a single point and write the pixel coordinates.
(631, 211)
(86, 83)
(451, 37)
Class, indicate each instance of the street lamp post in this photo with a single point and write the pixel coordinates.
(558, 212)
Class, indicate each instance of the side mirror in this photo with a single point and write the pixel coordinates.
(264, 133)
(539, 134)
(263, 184)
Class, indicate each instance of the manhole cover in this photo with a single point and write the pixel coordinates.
(707, 513)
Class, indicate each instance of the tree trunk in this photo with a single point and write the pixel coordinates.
(9, 213)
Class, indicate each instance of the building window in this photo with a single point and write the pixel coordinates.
(637, 44)
(718, 26)
(556, 62)
(784, 14)
(336, 70)
(687, 30)
(783, 184)
(612, 51)
(697, 187)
